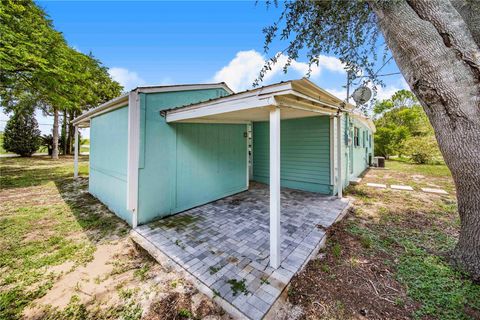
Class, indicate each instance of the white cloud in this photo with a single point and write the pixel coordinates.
(128, 79)
(382, 92)
(388, 91)
(244, 68)
(339, 93)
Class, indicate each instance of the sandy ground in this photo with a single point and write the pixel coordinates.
(119, 280)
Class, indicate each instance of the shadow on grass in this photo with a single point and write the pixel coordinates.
(37, 170)
(95, 219)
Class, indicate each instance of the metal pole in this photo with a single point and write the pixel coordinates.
(75, 158)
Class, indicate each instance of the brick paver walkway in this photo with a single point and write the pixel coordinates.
(225, 244)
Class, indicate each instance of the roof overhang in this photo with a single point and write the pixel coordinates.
(297, 98)
(365, 120)
(83, 120)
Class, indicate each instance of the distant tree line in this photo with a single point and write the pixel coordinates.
(39, 70)
(403, 129)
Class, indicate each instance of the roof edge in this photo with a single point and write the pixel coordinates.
(119, 101)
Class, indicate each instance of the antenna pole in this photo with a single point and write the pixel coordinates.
(348, 86)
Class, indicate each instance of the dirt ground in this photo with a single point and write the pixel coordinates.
(66, 256)
(387, 259)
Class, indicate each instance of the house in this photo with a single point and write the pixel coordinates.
(160, 150)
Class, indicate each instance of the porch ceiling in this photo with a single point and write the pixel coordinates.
(254, 114)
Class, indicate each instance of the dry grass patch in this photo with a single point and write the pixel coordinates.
(386, 259)
(64, 255)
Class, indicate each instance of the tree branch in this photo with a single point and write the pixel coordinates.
(470, 12)
(451, 26)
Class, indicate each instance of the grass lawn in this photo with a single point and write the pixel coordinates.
(386, 259)
(2, 151)
(64, 255)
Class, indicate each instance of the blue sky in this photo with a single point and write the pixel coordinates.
(184, 42)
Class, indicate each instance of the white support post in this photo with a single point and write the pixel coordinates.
(75, 156)
(339, 157)
(275, 188)
(133, 157)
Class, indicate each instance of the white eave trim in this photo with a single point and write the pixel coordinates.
(118, 102)
(366, 121)
(184, 87)
(263, 97)
(122, 100)
(221, 107)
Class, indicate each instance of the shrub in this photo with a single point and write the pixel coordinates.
(22, 135)
(423, 150)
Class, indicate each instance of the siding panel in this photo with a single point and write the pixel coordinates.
(108, 160)
(304, 152)
(211, 163)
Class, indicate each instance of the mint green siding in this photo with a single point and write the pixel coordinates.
(159, 194)
(304, 152)
(211, 163)
(108, 160)
(361, 152)
(183, 165)
(354, 158)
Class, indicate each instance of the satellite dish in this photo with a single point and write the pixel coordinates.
(361, 95)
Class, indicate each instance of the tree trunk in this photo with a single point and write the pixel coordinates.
(71, 133)
(64, 133)
(440, 60)
(55, 134)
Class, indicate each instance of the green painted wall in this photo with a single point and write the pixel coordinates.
(360, 153)
(185, 165)
(304, 152)
(158, 154)
(108, 160)
(211, 163)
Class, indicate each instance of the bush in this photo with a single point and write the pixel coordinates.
(22, 135)
(423, 150)
(47, 141)
(390, 141)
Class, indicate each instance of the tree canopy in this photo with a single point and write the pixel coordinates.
(37, 63)
(39, 68)
(436, 46)
(403, 128)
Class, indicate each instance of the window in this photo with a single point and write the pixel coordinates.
(364, 140)
(356, 137)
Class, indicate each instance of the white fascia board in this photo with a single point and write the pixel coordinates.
(323, 91)
(222, 121)
(366, 121)
(103, 108)
(123, 99)
(260, 93)
(318, 101)
(185, 87)
(219, 108)
(305, 105)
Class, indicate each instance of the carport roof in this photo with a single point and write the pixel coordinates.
(298, 98)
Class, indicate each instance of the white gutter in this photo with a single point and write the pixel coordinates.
(106, 107)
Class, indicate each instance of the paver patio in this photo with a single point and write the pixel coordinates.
(225, 244)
